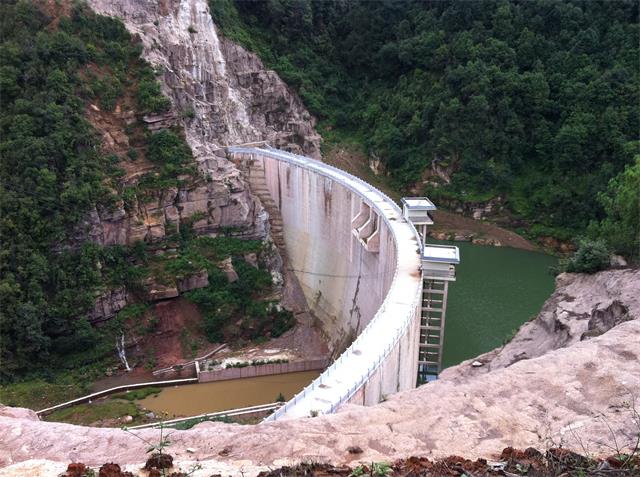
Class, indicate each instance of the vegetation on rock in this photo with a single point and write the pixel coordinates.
(591, 256)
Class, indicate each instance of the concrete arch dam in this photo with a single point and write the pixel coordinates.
(358, 263)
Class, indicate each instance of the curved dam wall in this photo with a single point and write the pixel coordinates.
(358, 264)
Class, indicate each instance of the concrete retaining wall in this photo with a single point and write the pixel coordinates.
(262, 370)
(391, 376)
(362, 278)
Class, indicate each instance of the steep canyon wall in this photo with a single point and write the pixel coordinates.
(220, 95)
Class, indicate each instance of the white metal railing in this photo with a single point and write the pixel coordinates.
(439, 274)
(382, 321)
(260, 408)
(105, 392)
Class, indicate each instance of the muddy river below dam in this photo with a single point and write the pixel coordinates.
(194, 399)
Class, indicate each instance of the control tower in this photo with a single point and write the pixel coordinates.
(438, 269)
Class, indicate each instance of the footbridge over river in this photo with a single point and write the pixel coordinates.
(359, 263)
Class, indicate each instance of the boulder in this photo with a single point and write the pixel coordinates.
(227, 267)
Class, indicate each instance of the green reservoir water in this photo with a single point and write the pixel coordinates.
(497, 289)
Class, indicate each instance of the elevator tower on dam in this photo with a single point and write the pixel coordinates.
(438, 269)
(377, 290)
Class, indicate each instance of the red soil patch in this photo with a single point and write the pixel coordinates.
(179, 323)
(56, 9)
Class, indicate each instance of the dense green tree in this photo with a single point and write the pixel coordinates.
(532, 100)
(621, 203)
(52, 173)
(590, 257)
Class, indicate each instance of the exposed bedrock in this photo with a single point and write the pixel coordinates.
(583, 306)
(575, 396)
(221, 94)
(225, 93)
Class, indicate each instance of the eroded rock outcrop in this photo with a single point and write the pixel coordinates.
(220, 94)
(224, 92)
(583, 306)
(578, 396)
(575, 396)
(108, 304)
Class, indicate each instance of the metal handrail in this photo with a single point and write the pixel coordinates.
(106, 392)
(230, 413)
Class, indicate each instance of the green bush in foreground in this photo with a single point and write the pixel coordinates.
(591, 256)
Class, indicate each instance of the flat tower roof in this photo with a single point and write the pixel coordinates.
(441, 253)
(418, 203)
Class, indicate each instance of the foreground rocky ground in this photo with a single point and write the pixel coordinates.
(581, 394)
(554, 462)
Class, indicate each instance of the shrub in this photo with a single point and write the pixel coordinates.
(150, 97)
(591, 256)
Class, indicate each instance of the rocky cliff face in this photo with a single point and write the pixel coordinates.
(582, 307)
(221, 95)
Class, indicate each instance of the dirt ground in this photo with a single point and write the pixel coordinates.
(179, 326)
(512, 462)
(451, 223)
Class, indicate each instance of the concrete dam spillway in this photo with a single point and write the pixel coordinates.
(358, 261)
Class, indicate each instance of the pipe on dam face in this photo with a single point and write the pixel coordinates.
(358, 263)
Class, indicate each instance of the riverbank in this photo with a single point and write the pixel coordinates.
(452, 226)
(497, 289)
(155, 403)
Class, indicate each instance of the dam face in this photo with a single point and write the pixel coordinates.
(343, 282)
(358, 263)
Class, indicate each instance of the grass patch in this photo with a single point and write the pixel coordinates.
(39, 394)
(86, 414)
(136, 394)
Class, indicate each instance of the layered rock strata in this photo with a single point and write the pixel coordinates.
(221, 94)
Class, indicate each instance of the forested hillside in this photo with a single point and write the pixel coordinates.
(535, 101)
(65, 73)
(52, 173)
